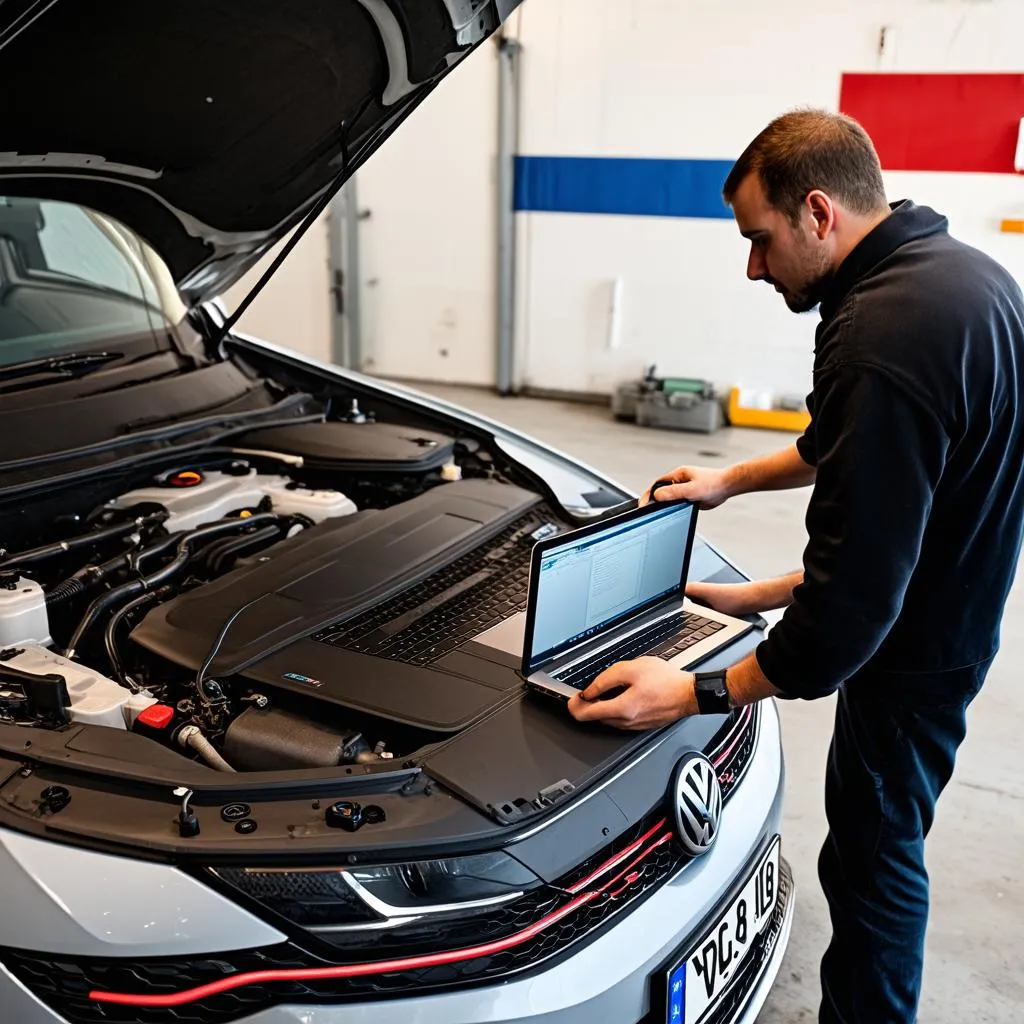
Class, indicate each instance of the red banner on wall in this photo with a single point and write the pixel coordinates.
(939, 122)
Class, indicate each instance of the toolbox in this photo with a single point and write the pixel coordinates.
(671, 403)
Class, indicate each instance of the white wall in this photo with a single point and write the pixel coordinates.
(295, 308)
(427, 249)
(696, 78)
(641, 78)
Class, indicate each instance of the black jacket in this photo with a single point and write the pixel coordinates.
(917, 434)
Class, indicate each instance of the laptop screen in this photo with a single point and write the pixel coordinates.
(587, 585)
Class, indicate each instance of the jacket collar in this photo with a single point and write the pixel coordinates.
(906, 223)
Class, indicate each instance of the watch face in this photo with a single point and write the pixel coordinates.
(712, 694)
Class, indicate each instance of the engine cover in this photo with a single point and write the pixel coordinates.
(193, 498)
(328, 571)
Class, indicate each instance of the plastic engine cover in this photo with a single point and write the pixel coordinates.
(214, 495)
(95, 699)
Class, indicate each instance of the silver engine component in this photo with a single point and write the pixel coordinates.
(95, 699)
(215, 495)
(23, 617)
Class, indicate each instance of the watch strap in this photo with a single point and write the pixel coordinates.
(712, 693)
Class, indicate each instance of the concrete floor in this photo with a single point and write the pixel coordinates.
(976, 936)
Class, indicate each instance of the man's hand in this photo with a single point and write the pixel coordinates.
(706, 488)
(746, 598)
(728, 598)
(654, 694)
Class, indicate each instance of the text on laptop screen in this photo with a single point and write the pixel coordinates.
(586, 585)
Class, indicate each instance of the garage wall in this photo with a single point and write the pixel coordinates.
(600, 296)
(429, 237)
(698, 79)
(295, 309)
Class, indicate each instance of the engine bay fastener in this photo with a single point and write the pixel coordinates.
(54, 798)
(346, 815)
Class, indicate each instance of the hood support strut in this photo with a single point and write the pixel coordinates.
(308, 221)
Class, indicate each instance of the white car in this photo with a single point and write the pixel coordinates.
(254, 766)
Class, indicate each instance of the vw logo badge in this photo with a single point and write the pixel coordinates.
(697, 802)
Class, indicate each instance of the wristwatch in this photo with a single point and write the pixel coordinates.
(712, 693)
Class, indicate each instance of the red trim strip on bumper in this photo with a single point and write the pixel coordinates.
(193, 995)
(627, 875)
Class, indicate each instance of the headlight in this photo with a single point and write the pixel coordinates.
(386, 895)
(441, 886)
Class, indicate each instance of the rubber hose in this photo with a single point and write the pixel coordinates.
(204, 748)
(236, 547)
(84, 579)
(110, 635)
(82, 541)
(185, 544)
(64, 592)
(185, 547)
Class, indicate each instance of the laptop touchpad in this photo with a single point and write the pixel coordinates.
(507, 636)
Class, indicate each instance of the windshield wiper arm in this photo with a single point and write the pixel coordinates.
(65, 367)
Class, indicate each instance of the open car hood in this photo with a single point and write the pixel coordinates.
(212, 126)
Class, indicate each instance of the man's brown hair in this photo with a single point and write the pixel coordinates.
(812, 149)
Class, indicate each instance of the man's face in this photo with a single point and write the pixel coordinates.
(792, 257)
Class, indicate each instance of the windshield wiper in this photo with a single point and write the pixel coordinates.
(63, 367)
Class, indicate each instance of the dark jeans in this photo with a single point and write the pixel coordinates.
(892, 753)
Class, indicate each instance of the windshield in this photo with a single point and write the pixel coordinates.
(72, 278)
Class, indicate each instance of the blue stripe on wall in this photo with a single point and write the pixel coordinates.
(616, 185)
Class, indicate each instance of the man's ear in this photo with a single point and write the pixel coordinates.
(821, 211)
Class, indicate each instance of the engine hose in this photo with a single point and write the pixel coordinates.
(185, 548)
(192, 736)
(84, 540)
(110, 635)
(154, 551)
(85, 578)
(187, 545)
(216, 557)
(64, 592)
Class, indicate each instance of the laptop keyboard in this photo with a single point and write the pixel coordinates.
(664, 639)
(475, 592)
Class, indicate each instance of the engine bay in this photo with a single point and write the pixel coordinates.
(79, 595)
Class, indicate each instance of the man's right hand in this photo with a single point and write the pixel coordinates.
(706, 488)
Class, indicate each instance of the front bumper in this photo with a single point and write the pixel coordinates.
(607, 979)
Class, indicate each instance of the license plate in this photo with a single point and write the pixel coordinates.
(696, 982)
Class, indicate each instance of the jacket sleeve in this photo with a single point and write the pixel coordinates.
(805, 444)
(880, 454)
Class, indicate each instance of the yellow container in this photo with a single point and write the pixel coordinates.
(769, 419)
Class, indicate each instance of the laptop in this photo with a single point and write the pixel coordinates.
(611, 592)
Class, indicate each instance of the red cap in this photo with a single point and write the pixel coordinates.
(156, 716)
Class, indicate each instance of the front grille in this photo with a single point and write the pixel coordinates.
(645, 857)
(65, 982)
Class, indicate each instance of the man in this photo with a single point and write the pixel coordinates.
(916, 454)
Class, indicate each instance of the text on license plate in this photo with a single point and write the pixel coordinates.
(695, 983)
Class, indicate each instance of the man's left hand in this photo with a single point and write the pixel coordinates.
(653, 695)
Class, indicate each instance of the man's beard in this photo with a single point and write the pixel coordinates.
(810, 296)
